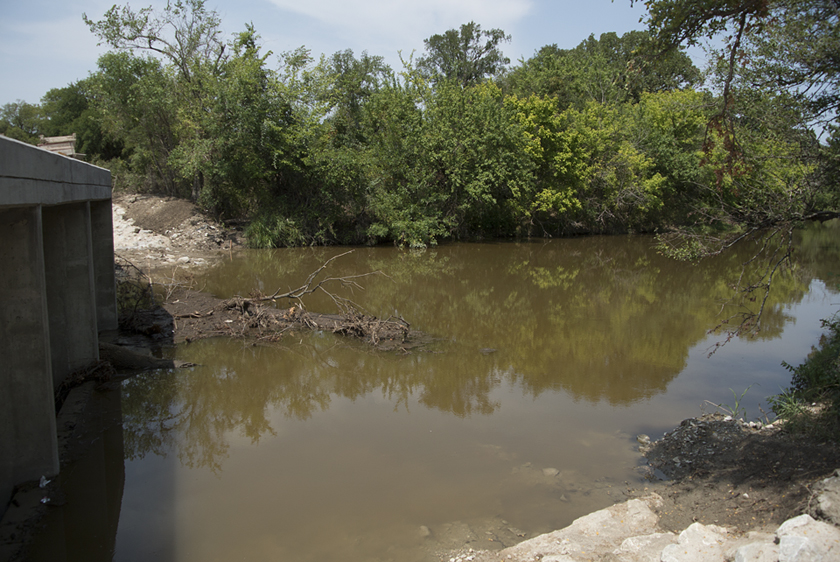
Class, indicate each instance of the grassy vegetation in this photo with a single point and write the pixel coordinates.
(812, 403)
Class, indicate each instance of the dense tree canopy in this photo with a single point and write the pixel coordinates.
(21, 121)
(609, 69)
(620, 133)
(776, 79)
(467, 56)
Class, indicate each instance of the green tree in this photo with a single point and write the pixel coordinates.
(467, 55)
(134, 97)
(591, 172)
(69, 111)
(202, 118)
(235, 142)
(606, 70)
(341, 155)
(475, 159)
(452, 162)
(669, 127)
(763, 169)
(775, 75)
(184, 32)
(396, 194)
(327, 201)
(187, 36)
(21, 121)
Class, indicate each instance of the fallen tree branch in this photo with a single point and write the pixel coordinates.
(308, 287)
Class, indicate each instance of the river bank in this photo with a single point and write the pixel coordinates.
(720, 489)
(711, 471)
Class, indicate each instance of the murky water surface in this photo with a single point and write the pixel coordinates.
(551, 357)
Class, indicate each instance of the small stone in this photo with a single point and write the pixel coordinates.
(550, 472)
(643, 439)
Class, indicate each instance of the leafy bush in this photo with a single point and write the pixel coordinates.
(812, 404)
(272, 230)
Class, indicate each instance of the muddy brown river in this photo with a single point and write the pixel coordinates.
(547, 359)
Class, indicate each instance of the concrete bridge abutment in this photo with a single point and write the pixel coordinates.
(57, 292)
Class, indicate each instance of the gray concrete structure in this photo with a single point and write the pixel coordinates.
(57, 292)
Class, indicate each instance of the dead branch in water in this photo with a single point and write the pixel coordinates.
(307, 288)
(310, 286)
(353, 322)
(188, 315)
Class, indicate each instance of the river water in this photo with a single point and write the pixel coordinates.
(547, 359)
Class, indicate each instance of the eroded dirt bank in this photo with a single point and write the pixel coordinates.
(740, 475)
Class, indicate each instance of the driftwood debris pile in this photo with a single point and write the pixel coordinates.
(186, 314)
(196, 315)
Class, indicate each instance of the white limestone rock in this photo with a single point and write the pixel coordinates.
(803, 539)
(827, 495)
(643, 548)
(758, 552)
(698, 543)
(591, 537)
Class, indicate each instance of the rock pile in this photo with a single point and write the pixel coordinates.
(628, 532)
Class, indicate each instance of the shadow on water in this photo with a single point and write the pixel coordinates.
(82, 518)
(85, 510)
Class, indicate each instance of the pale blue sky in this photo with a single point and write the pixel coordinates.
(45, 44)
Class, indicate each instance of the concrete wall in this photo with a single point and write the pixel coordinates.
(57, 292)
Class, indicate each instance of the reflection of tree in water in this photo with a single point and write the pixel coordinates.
(463, 391)
(192, 411)
(597, 318)
(600, 317)
(195, 412)
(818, 250)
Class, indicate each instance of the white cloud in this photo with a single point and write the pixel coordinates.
(400, 13)
(390, 20)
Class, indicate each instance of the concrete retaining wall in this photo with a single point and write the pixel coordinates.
(57, 292)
